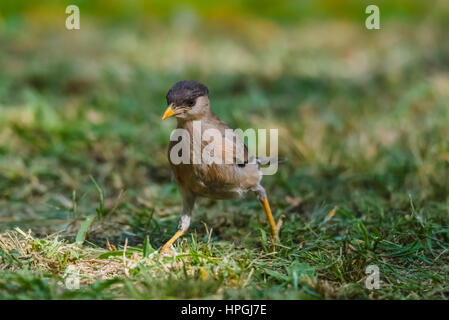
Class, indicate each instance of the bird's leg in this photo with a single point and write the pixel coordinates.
(266, 206)
(261, 194)
(188, 201)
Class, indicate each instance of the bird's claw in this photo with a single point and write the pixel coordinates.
(166, 252)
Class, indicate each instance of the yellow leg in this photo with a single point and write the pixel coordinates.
(266, 206)
(166, 247)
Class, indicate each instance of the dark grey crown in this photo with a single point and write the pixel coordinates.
(186, 91)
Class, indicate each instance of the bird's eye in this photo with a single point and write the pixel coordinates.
(190, 103)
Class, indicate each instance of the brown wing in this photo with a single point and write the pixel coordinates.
(236, 149)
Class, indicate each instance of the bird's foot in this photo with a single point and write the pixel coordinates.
(166, 252)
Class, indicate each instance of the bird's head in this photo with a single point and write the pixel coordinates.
(187, 100)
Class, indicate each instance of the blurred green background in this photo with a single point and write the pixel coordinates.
(363, 118)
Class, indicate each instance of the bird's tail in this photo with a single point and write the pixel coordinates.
(264, 161)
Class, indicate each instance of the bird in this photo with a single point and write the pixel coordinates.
(188, 101)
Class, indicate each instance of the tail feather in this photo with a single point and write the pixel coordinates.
(263, 161)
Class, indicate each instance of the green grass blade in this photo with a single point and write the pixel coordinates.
(84, 228)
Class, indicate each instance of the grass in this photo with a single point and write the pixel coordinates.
(85, 184)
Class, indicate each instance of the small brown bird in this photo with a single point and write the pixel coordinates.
(189, 102)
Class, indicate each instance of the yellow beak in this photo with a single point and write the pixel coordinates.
(168, 113)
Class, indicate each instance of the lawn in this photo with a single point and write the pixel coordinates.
(86, 188)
